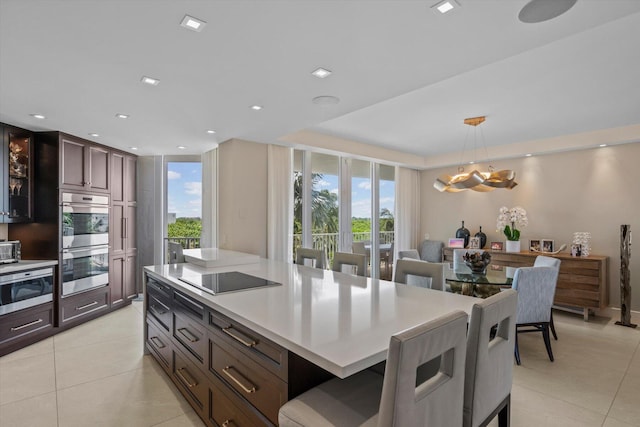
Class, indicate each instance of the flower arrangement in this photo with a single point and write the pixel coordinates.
(510, 220)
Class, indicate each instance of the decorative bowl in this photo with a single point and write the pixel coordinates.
(477, 262)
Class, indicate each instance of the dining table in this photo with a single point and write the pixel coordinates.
(464, 281)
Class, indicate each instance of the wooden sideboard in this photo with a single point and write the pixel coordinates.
(583, 282)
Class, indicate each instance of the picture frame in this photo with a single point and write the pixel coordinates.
(497, 246)
(474, 243)
(496, 267)
(534, 245)
(546, 245)
(456, 243)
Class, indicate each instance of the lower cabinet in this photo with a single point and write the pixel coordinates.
(80, 306)
(229, 374)
(25, 327)
(122, 278)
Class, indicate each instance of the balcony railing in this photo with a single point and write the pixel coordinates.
(329, 241)
(185, 242)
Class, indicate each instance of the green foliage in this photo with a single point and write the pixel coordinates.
(360, 225)
(185, 227)
(511, 233)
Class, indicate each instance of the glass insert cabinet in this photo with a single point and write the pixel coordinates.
(15, 174)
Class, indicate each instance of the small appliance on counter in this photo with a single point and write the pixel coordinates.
(10, 251)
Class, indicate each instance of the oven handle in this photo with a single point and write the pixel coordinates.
(89, 209)
(87, 251)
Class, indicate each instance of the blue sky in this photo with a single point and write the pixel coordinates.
(184, 189)
(361, 194)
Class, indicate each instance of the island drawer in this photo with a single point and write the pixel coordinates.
(189, 307)
(261, 388)
(191, 335)
(191, 381)
(159, 345)
(262, 351)
(160, 290)
(227, 409)
(85, 303)
(159, 310)
(24, 322)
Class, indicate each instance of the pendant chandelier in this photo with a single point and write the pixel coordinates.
(475, 180)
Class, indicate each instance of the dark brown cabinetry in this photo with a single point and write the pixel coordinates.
(228, 373)
(123, 267)
(84, 165)
(16, 169)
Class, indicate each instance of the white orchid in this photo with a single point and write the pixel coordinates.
(510, 220)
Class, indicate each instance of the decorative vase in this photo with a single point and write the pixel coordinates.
(482, 237)
(512, 246)
(463, 233)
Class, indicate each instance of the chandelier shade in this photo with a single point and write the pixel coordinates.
(476, 180)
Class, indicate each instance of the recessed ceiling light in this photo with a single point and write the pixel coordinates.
(134, 148)
(149, 80)
(528, 155)
(321, 73)
(256, 107)
(182, 147)
(122, 116)
(95, 135)
(603, 145)
(325, 100)
(38, 116)
(445, 6)
(193, 24)
(211, 131)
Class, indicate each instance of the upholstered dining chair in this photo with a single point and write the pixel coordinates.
(489, 363)
(409, 254)
(316, 256)
(395, 399)
(536, 287)
(406, 268)
(175, 252)
(359, 248)
(341, 259)
(431, 250)
(547, 261)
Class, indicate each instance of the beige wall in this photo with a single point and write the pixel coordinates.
(592, 190)
(242, 197)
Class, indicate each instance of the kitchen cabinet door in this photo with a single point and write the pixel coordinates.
(16, 170)
(85, 166)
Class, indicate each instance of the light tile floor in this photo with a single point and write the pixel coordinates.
(96, 375)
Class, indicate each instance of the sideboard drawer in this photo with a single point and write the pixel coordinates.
(268, 354)
(159, 345)
(263, 389)
(191, 335)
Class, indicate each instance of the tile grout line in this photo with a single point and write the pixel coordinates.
(626, 372)
(55, 382)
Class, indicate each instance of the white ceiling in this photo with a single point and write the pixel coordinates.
(406, 76)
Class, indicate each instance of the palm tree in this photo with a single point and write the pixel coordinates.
(386, 220)
(324, 206)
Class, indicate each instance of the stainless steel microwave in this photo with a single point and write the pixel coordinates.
(10, 251)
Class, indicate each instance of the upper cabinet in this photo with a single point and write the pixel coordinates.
(16, 169)
(84, 165)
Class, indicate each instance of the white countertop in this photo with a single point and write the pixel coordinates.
(340, 322)
(214, 257)
(26, 265)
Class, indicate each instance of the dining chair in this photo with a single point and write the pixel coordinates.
(397, 398)
(489, 363)
(175, 252)
(407, 269)
(316, 256)
(458, 262)
(536, 287)
(431, 250)
(359, 248)
(547, 261)
(409, 254)
(341, 259)
(387, 258)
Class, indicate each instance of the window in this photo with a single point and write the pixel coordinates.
(184, 202)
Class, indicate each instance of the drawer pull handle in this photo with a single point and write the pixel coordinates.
(157, 342)
(91, 304)
(26, 325)
(183, 374)
(247, 341)
(156, 310)
(188, 335)
(248, 389)
(228, 423)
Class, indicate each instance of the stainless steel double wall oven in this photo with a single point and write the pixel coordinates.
(85, 242)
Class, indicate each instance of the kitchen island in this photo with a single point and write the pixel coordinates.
(250, 351)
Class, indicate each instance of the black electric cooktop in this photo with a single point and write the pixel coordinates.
(218, 283)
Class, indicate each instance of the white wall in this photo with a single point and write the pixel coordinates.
(242, 197)
(592, 190)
